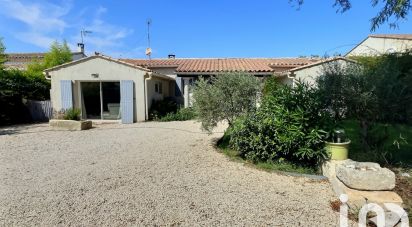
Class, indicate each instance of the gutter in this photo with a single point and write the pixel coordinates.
(147, 77)
(46, 75)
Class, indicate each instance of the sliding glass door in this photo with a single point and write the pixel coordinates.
(101, 100)
(111, 100)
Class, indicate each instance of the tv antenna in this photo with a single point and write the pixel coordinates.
(148, 49)
(83, 34)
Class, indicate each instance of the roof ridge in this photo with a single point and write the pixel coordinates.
(207, 58)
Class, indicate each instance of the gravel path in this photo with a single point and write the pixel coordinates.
(145, 174)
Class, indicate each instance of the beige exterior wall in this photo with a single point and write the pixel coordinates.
(378, 46)
(170, 72)
(167, 87)
(108, 71)
(309, 75)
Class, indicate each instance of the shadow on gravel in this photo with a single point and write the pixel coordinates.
(21, 129)
(30, 129)
(166, 128)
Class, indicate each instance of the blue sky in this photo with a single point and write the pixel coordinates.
(190, 28)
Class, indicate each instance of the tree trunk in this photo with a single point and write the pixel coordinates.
(364, 125)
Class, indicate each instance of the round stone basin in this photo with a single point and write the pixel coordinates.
(365, 176)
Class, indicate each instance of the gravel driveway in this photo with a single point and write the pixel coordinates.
(145, 174)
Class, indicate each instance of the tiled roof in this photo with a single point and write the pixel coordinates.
(94, 57)
(392, 36)
(21, 60)
(212, 65)
(24, 57)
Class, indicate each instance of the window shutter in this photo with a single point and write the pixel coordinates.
(126, 101)
(66, 94)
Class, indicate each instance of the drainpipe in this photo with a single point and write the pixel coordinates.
(47, 76)
(147, 77)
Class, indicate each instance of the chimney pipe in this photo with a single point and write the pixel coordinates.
(80, 47)
(171, 56)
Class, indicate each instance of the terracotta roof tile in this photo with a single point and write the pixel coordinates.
(214, 65)
(24, 57)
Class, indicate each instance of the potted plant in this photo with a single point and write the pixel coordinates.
(338, 147)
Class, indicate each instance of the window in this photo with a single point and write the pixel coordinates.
(159, 87)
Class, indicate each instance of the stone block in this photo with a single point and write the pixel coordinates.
(70, 125)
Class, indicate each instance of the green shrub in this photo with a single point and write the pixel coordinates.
(72, 114)
(183, 114)
(378, 92)
(15, 86)
(289, 125)
(161, 108)
(225, 98)
(393, 143)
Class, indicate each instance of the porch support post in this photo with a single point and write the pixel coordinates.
(186, 91)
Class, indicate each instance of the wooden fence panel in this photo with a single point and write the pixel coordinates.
(40, 110)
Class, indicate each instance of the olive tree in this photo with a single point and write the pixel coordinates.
(58, 54)
(395, 10)
(225, 97)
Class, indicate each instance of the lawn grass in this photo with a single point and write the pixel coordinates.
(401, 157)
(223, 146)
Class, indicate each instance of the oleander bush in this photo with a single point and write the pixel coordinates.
(290, 125)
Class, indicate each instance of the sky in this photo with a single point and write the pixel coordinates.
(190, 28)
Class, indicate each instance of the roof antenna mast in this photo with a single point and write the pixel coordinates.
(83, 33)
(148, 49)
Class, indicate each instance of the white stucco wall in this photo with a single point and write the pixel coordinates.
(108, 71)
(376, 46)
(309, 75)
(170, 72)
(153, 95)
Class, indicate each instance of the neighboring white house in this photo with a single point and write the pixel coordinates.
(106, 88)
(309, 73)
(382, 44)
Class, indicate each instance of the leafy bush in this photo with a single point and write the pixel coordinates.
(289, 125)
(183, 114)
(161, 108)
(59, 53)
(379, 91)
(225, 97)
(72, 114)
(68, 114)
(394, 142)
(15, 86)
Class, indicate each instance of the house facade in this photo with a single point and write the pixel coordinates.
(104, 88)
(185, 71)
(375, 45)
